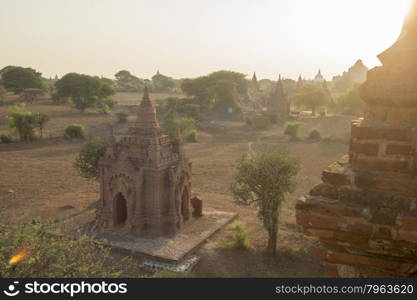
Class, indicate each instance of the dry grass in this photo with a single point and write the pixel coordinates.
(37, 180)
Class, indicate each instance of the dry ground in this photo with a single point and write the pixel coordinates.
(37, 180)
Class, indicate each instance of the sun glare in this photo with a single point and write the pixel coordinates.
(334, 33)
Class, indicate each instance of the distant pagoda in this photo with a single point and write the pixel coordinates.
(300, 83)
(278, 101)
(319, 77)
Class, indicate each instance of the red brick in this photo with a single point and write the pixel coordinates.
(325, 190)
(406, 186)
(335, 175)
(316, 221)
(395, 149)
(360, 227)
(408, 236)
(371, 133)
(330, 208)
(331, 271)
(383, 263)
(408, 223)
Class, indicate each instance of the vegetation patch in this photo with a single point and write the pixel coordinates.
(75, 131)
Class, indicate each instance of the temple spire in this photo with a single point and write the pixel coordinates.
(146, 101)
(146, 112)
(279, 90)
(254, 78)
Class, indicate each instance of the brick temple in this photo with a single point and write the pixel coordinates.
(145, 180)
(365, 211)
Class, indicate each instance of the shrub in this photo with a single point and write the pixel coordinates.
(314, 135)
(122, 117)
(185, 125)
(291, 129)
(273, 118)
(105, 105)
(87, 160)
(240, 237)
(6, 139)
(44, 254)
(74, 131)
(260, 123)
(191, 137)
(23, 122)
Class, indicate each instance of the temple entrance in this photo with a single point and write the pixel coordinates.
(120, 210)
(185, 207)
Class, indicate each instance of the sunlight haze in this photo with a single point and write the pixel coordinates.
(188, 38)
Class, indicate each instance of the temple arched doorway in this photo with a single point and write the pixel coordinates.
(185, 205)
(120, 210)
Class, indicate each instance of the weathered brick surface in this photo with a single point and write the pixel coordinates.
(370, 149)
(371, 133)
(317, 221)
(325, 190)
(406, 186)
(334, 257)
(328, 207)
(335, 174)
(396, 149)
(381, 165)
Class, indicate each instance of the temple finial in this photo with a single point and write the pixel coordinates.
(146, 100)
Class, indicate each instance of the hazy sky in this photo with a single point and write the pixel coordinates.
(187, 38)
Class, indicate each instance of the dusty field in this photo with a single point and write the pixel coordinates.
(37, 180)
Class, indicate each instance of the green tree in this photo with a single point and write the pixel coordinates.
(86, 163)
(350, 102)
(162, 83)
(312, 96)
(201, 89)
(85, 91)
(17, 79)
(226, 96)
(265, 180)
(126, 82)
(220, 90)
